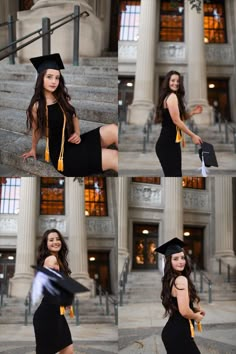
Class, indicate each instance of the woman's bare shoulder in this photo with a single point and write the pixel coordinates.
(50, 261)
(181, 280)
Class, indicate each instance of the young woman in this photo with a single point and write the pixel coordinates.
(51, 329)
(172, 112)
(50, 113)
(180, 300)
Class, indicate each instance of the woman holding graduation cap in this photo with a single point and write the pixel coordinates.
(50, 113)
(51, 329)
(180, 300)
(171, 111)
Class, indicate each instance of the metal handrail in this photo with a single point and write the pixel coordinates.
(221, 261)
(123, 279)
(147, 128)
(6, 23)
(108, 299)
(203, 277)
(73, 17)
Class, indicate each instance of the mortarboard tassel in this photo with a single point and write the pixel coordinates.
(178, 135)
(62, 310)
(71, 312)
(191, 328)
(199, 327)
(46, 155)
(60, 164)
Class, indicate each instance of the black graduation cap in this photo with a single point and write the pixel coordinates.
(173, 246)
(51, 61)
(57, 284)
(207, 154)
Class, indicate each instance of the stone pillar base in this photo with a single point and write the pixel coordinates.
(206, 117)
(138, 112)
(121, 260)
(19, 286)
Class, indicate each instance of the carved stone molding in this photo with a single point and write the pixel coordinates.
(52, 223)
(219, 54)
(99, 226)
(145, 195)
(169, 51)
(8, 225)
(127, 51)
(196, 200)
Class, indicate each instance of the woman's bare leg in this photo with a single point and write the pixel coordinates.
(109, 160)
(109, 135)
(67, 350)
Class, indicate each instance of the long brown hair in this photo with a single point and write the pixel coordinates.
(168, 280)
(43, 252)
(165, 91)
(61, 95)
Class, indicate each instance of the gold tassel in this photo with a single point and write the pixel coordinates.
(71, 312)
(62, 310)
(191, 328)
(47, 157)
(60, 164)
(183, 141)
(199, 327)
(178, 135)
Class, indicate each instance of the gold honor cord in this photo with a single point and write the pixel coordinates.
(60, 163)
(180, 136)
(199, 327)
(63, 311)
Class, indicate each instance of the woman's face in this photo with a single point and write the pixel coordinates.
(51, 80)
(178, 261)
(54, 243)
(174, 82)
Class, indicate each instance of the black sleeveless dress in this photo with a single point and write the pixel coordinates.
(51, 329)
(176, 335)
(81, 159)
(167, 150)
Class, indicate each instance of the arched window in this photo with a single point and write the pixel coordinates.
(193, 182)
(95, 196)
(171, 21)
(9, 195)
(52, 196)
(129, 17)
(152, 180)
(214, 21)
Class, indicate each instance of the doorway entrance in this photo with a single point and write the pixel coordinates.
(218, 97)
(194, 239)
(99, 268)
(145, 241)
(7, 268)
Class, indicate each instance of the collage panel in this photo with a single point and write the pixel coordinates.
(176, 247)
(58, 88)
(176, 64)
(67, 227)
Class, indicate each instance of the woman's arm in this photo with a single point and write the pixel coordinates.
(172, 104)
(195, 110)
(181, 289)
(51, 262)
(75, 137)
(35, 136)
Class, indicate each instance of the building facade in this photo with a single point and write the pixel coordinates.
(199, 211)
(83, 210)
(156, 37)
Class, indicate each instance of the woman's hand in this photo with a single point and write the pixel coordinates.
(31, 153)
(74, 138)
(198, 316)
(196, 139)
(196, 110)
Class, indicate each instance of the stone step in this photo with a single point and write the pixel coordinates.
(13, 144)
(101, 81)
(88, 110)
(90, 70)
(26, 89)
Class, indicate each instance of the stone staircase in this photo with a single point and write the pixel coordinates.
(143, 287)
(93, 90)
(221, 289)
(90, 312)
(131, 138)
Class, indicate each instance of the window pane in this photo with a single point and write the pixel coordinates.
(52, 193)
(152, 180)
(193, 182)
(214, 22)
(9, 195)
(95, 196)
(172, 21)
(129, 17)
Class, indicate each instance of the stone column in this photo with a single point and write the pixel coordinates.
(78, 251)
(197, 79)
(144, 77)
(25, 251)
(122, 221)
(224, 219)
(173, 216)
